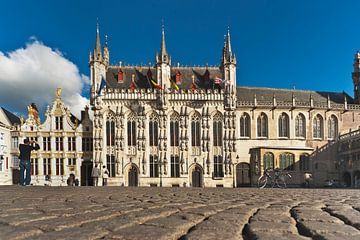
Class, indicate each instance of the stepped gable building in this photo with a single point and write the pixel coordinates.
(165, 125)
(63, 139)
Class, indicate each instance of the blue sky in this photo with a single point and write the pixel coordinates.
(283, 44)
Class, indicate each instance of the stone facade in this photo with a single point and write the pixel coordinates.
(165, 125)
(60, 139)
(8, 123)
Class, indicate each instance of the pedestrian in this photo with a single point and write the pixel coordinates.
(105, 175)
(25, 165)
(71, 180)
(95, 174)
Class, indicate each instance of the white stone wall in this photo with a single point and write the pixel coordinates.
(5, 165)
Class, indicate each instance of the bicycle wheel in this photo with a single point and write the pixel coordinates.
(280, 182)
(261, 183)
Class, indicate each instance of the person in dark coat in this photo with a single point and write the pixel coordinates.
(25, 165)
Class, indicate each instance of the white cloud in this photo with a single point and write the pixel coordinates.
(33, 73)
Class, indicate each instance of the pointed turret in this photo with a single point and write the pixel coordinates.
(356, 77)
(164, 57)
(97, 51)
(228, 57)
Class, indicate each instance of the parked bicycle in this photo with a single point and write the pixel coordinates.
(273, 178)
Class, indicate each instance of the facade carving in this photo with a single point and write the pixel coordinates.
(170, 125)
(65, 144)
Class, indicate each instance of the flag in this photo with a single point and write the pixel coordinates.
(193, 86)
(132, 85)
(218, 80)
(175, 86)
(155, 84)
(102, 85)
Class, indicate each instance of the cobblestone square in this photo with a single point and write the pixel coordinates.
(178, 213)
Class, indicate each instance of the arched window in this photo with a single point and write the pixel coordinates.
(131, 130)
(304, 162)
(283, 125)
(262, 125)
(217, 129)
(268, 160)
(153, 130)
(218, 166)
(245, 125)
(332, 127)
(287, 161)
(154, 166)
(110, 130)
(195, 130)
(300, 126)
(174, 129)
(318, 126)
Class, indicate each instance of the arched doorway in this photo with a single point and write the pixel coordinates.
(357, 179)
(196, 177)
(243, 175)
(347, 179)
(133, 177)
(86, 168)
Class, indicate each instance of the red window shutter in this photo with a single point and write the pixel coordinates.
(120, 75)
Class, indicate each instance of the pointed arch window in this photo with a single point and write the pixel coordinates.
(195, 130)
(131, 129)
(154, 130)
(318, 126)
(154, 166)
(262, 125)
(287, 161)
(218, 166)
(110, 130)
(300, 126)
(268, 160)
(283, 125)
(332, 127)
(174, 130)
(245, 125)
(217, 129)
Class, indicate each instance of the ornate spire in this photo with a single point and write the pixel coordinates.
(97, 52)
(228, 42)
(163, 46)
(228, 57)
(164, 57)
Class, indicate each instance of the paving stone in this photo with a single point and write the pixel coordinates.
(181, 213)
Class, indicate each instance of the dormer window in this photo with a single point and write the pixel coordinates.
(120, 75)
(178, 77)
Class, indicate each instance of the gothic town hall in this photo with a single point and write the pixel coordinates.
(167, 125)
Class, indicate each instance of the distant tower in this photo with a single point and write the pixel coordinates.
(98, 63)
(163, 63)
(356, 77)
(228, 64)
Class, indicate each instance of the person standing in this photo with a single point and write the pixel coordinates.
(95, 174)
(25, 165)
(105, 175)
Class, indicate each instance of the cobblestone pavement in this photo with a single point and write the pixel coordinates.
(177, 213)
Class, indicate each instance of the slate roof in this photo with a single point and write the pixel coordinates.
(12, 117)
(285, 95)
(203, 77)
